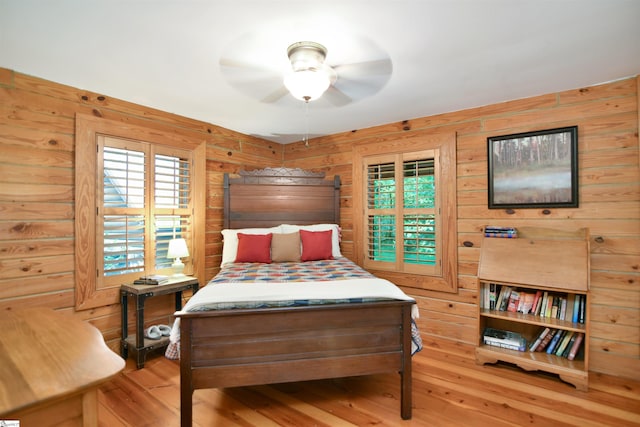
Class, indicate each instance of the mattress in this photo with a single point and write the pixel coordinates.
(288, 284)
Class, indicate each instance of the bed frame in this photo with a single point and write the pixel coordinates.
(243, 347)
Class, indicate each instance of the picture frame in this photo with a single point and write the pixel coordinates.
(536, 169)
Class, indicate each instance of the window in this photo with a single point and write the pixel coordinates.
(146, 201)
(401, 214)
(136, 189)
(406, 230)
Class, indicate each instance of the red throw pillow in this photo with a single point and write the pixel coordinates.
(316, 245)
(254, 248)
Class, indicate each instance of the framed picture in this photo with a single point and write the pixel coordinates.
(534, 169)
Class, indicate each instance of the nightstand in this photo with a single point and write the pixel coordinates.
(137, 343)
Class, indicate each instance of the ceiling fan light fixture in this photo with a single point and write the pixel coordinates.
(307, 85)
(304, 55)
(309, 77)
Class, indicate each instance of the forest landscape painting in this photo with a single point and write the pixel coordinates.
(534, 169)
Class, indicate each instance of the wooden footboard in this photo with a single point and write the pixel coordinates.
(231, 348)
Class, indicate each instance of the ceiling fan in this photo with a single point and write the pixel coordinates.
(305, 73)
(309, 76)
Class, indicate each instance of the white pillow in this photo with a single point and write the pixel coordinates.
(335, 236)
(230, 241)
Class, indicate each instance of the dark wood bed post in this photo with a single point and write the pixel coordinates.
(186, 383)
(405, 375)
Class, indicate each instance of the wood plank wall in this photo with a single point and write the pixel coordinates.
(37, 190)
(609, 181)
(37, 124)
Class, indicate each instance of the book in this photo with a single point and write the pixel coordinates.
(154, 279)
(570, 303)
(492, 335)
(484, 297)
(508, 346)
(567, 349)
(500, 296)
(501, 232)
(580, 353)
(505, 299)
(543, 304)
(526, 302)
(492, 296)
(549, 309)
(576, 309)
(583, 300)
(514, 299)
(539, 339)
(563, 308)
(504, 339)
(545, 342)
(575, 347)
(536, 302)
(554, 342)
(520, 301)
(555, 306)
(563, 343)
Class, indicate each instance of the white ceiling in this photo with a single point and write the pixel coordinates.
(446, 55)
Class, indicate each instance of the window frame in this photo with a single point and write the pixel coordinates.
(399, 211)
(90, 290)
(443, 147)
(150, 210)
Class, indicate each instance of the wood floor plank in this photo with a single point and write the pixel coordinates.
(136, 406)
(330, 397)
(574, 403)
(271, 408)
(238, 414)
(449, 389)
(107, 417)
(318, 415)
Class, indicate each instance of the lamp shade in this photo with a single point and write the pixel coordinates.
(308, 84)
(177, 249)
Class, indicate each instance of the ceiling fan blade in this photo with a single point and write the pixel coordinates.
(366, 68)
(238, 71)
(359, 88)
(275, 95)
(336, 97)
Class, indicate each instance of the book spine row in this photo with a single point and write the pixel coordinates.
(570, 307)
(560, 342)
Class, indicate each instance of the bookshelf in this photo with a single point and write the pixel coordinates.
(555, 262)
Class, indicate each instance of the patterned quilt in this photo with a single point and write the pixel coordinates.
(310, 271)
(328, 271)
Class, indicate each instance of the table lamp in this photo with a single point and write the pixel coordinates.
(177, 249)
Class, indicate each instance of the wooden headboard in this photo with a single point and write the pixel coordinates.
(272, 196)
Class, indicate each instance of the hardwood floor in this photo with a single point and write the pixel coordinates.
(449, 389)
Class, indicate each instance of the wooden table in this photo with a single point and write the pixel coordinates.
(137, 343)
(50, 367)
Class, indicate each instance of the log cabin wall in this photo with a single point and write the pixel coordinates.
(37, 125)
(609, 185)
(37, 198)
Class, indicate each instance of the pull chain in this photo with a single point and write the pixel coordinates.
(306, 118)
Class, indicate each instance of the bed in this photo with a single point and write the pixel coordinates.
(266, 322)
